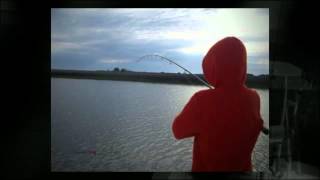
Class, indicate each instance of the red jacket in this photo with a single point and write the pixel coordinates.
(225, 121)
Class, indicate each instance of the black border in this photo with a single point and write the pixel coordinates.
(26, 46)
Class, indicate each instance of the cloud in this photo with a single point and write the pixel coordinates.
(257, 48)
(259, 61)
(114, 61)
(103, 37)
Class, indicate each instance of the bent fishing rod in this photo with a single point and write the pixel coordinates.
(172, 62)
(264, 129)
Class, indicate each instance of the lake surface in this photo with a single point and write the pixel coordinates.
(128, 124)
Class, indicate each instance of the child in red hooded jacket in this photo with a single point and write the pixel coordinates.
(225, 121)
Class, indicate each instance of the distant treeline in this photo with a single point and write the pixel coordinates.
(260, 81)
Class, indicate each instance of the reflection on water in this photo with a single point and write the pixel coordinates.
(127, 124)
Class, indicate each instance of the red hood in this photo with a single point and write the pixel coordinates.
(225, 64)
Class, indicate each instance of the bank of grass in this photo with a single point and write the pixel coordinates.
(259, 82)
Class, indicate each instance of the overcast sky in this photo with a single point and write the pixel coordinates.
(101, 39)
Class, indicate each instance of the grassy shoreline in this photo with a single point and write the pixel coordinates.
(259, 82)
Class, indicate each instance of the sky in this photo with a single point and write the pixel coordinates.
(103, 38)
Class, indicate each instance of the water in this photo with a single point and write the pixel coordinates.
(128, 124)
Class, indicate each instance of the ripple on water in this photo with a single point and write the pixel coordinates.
(127, 135)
